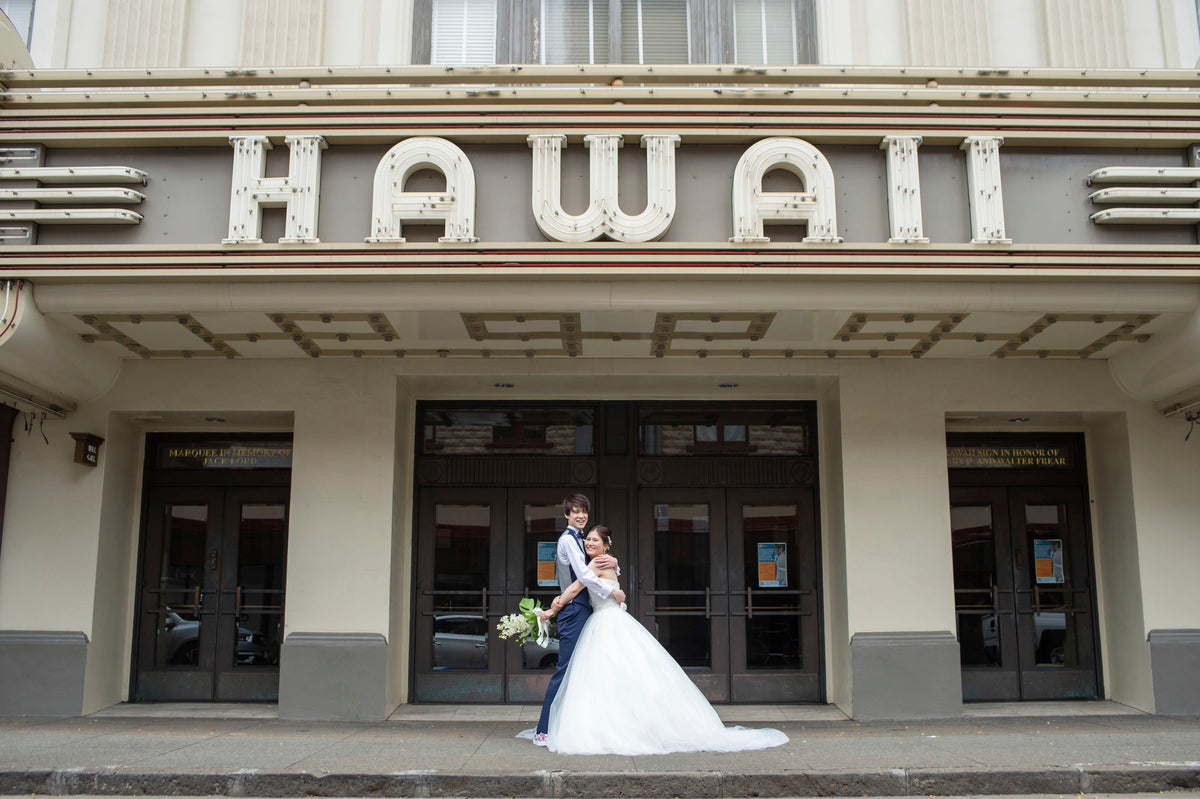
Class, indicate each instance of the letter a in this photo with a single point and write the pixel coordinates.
(391, 205)
(752, 207)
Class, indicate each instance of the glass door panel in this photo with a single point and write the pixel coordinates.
(983, 595)
(535, 522)
(261, 560)
(181, 585)
(542, 524)
(770, 553)
(176, 627)
(460, 593)
(973, 540)
(253, 577)
(1055, 621)
(460, 582)
(681, 580)
(682, 596)
(775, 651)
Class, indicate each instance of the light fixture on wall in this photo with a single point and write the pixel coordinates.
(87, 448)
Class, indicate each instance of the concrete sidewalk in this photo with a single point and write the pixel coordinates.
(1061, 748)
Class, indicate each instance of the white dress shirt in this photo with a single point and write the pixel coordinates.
(570, 553)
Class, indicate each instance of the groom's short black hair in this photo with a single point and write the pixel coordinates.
(576, 501)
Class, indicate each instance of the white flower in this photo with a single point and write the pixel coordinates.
(514, 625)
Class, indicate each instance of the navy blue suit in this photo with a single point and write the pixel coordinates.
(570, 623)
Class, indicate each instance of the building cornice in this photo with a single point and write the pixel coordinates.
(658, 260)
(1028, 107)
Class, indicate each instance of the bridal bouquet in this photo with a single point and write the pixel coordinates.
(525, 623)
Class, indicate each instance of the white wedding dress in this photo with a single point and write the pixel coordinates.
(623, 694)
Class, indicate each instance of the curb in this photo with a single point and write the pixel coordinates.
(600, 784)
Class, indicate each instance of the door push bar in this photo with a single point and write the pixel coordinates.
(483, 600)
(240, 607)
(193, 608)
(682, 610)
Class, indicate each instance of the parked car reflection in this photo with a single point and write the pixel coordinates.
(1049, 632)
(179, 643)
(461, 642)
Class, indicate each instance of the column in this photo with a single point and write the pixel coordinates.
(898, 569)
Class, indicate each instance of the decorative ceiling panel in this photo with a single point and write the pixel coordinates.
(714, 334)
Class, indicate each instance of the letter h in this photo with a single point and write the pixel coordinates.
(299, 192)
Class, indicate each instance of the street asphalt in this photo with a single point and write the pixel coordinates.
(423, 751)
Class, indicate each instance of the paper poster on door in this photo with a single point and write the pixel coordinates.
(1048, 560)
(545, 567)
(772, 565)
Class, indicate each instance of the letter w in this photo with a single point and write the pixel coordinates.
(603, 215)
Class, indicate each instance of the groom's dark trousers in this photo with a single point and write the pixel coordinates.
(570, 623)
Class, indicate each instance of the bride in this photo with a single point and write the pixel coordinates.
(652, 707)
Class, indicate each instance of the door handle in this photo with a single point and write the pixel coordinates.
(212, 560)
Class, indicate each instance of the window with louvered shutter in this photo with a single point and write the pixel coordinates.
(574, 32)
(654, 32)
(463, 32)
(775, 32)
(765, 32)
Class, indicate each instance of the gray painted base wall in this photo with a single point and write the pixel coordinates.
(905, 675)
(1175, 670)
(41, 672)
(333, 677)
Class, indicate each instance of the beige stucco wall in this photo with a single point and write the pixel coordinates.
(896, 501)
(70, 539)
(402, 549)
(838, 687)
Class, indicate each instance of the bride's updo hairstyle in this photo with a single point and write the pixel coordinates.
(605, 535)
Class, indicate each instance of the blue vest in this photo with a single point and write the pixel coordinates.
(566, 575)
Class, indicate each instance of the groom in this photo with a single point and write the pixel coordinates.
(570, 565)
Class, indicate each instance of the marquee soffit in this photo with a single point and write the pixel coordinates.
(508, 103)
(599, 334)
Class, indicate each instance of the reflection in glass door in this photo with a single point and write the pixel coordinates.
(481, 552)
(682, 597)
(536, 520)
(211, 619)
(460, 576)
(1023, 593)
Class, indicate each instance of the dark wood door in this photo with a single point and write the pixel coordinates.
(480, 551)
(729, 585)
(212, 594)
(460, 592)
(775, 646)
(682, 593)
(1023, 593)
